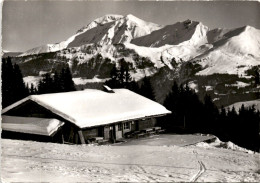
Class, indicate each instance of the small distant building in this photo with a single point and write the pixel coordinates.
(75, 117)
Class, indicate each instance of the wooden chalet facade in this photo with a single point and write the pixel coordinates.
(83, 114)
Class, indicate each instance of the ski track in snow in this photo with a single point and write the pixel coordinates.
(201, 170)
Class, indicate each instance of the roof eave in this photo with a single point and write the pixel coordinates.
(6, 109)
(133, 119)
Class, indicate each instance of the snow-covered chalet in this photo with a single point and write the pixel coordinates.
(75, 117)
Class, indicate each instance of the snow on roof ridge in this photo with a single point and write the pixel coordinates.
(40, 102)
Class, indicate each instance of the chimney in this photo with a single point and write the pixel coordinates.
(107, 89)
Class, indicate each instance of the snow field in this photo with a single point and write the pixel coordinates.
(50, 162)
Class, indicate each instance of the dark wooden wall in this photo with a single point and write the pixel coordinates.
(89, 133)
(147, 123)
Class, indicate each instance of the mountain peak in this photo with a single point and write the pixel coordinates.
(100, 21)
(249, 28)
(108, 18)
(131, 17)
(134, 19)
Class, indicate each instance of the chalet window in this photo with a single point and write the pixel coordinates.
(120, 127)
(126, 125)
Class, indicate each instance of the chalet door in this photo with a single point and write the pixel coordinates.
(101, 131)
(114, 132)
(107, 132)
(112, 135)
(136, 125)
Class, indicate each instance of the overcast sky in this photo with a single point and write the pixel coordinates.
(27, 24)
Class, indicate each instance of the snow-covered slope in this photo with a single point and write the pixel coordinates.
(119, 31)
(216, 34)
(109, 29)
(6, 53)
(236, 52)
(100, 21)
(191, 31)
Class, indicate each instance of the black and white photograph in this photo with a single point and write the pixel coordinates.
(130, 91)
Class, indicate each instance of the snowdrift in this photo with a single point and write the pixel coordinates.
(225, 145)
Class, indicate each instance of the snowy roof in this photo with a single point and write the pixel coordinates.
(92, 107)
(38, 126)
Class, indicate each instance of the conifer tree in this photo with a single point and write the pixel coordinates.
(171, 103)
(68, 82)
(19, 83)
(59, 82)
(113, 82)
(56, 82)
(211, 113)
(133, 86)
(32, 90)
(13, 86)
(146, 89)
(121, 78)
(47, 83)
(128, 77)
(114, 73)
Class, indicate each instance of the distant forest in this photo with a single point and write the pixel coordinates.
(14, 88)
(189, 113)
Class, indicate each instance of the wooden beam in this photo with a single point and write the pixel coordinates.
(62, 138)
(81, 137)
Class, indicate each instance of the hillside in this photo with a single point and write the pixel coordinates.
(50, 162)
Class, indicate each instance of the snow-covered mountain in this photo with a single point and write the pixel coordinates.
(109, 29)
(188, 31)
(237, 51)
(231, 51)
(186, 51)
